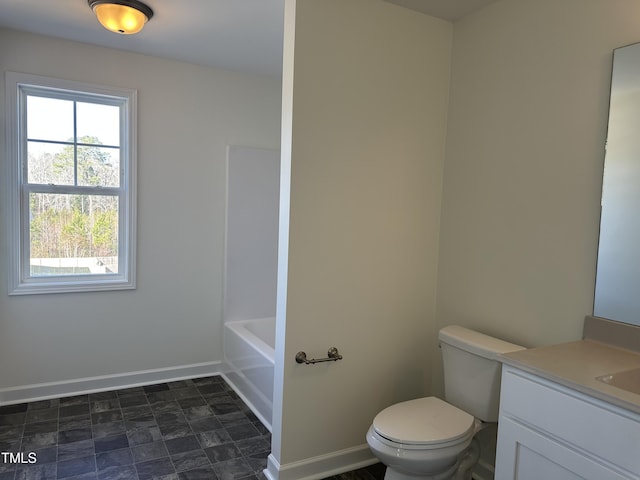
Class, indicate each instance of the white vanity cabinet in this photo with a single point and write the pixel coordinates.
(549, 431)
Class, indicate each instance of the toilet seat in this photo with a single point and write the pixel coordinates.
(423, 423)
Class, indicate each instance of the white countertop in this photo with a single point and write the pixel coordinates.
(577, 364)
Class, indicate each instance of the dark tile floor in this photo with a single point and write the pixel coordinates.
(374, 472)
(186, 430)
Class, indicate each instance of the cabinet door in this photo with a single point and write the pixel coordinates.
(525, 454)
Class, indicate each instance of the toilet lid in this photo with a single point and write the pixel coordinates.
(423, 421)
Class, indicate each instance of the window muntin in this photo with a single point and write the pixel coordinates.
(73, 159)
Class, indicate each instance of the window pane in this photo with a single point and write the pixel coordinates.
(50, 163)
(49, 119)
(73, 234)
(98, 166)
(98, 124)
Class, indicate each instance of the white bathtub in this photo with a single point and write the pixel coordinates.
(250, 358)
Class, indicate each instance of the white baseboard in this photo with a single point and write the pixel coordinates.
(483, 471)
(66, 388)
(322, 466)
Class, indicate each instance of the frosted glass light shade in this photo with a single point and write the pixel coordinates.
(120, 18)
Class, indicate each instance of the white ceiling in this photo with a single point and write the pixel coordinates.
(242, 35)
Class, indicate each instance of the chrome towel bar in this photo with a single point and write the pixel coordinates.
(332, 356)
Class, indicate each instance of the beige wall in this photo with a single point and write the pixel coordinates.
(187, 115)
(523, 170)
(367, 96)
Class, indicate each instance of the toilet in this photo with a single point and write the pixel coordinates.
(432, 439)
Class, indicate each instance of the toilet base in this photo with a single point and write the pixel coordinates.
(461, 470)
(417, 464)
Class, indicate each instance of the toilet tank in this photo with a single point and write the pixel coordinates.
(472, 371)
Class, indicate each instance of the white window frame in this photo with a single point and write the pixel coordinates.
(18, 85)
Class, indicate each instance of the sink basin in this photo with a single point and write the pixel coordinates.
(628, 380)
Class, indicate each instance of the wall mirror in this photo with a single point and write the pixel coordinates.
(617, 294)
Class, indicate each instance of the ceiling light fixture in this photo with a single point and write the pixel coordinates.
(121, 16)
